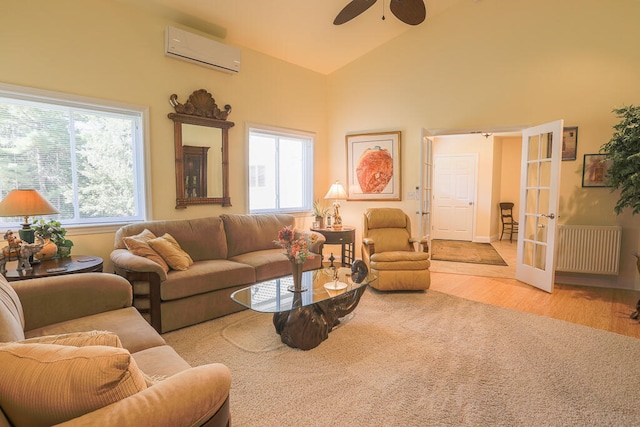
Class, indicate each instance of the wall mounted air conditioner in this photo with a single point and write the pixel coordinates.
(181, 44)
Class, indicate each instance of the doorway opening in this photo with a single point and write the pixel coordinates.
(497, 179)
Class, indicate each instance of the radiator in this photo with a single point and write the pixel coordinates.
(588, 249)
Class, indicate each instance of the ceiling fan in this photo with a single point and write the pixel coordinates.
(411, 12)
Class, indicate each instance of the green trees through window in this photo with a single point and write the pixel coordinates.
(86, 160)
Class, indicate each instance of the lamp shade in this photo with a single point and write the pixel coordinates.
(25, 203)
(336, 192)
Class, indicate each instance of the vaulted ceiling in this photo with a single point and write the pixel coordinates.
(297, 31)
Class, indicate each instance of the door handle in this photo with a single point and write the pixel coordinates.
(470, 203)
(550, 216)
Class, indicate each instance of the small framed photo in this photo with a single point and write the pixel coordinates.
(594, 170)
(373, 166)
(569, 143)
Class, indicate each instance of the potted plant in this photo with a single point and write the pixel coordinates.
(319, 211)
(623, 150)
(54, 232)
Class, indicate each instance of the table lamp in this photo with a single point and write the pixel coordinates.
(26, 203)
(336, 192)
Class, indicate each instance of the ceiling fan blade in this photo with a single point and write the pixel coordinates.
(353, 9)
(411, 12)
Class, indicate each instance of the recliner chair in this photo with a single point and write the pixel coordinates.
(390, 253)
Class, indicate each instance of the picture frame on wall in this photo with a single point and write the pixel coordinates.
(569, 142)
(594, 170)
(374, 166)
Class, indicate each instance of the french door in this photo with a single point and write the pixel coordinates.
(539, 184)
(426, 187)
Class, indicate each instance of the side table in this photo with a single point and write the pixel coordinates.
(345, 237)
(56, 267)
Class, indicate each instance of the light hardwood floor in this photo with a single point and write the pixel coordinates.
(600, 308)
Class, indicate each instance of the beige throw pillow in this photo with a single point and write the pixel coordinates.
(83, 339)
(78, 339)
(139, 245)
(46, 384)
(171, 252)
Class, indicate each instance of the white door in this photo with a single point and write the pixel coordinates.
(426, 187)
(454, 187)
(539, 183)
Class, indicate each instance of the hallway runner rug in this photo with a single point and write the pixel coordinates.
(462, 251)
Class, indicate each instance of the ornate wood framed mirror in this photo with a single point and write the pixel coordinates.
(201, 139)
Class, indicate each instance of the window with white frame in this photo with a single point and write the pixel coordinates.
(280, 170)
(84, 156)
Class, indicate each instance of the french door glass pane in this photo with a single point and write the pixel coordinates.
(533, 148)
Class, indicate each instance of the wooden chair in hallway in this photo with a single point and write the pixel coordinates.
(509, 225)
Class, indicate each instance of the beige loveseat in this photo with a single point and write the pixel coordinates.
(229, 252)
(74, 351)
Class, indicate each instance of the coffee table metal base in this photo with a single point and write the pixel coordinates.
(306, 327)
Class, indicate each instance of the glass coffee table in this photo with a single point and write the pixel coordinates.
(304, 319)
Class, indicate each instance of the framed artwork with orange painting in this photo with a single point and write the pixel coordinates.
(373, 166)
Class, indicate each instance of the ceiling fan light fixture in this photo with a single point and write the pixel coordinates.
(352, 9)
(412, 12)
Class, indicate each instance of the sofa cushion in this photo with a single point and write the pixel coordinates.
(78, 339)
(139, 245)
(205, 276)
(45, 384)
(268, 263)
(400, 260)
(11, 315)
(171, 252)
(390, 239)
(134, 334)
(160, 362)
(248, 233)
(386, 218)
(201, 238)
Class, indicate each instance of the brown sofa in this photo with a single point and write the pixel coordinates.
(229, 252)
(40, 358)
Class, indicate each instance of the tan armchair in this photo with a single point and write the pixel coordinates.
(390, 253)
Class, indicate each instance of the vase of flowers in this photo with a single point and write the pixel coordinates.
(296, 248)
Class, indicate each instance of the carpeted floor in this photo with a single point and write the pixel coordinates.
(462, 251)
(423, 359)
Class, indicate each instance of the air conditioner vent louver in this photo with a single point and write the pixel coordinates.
(181, 44)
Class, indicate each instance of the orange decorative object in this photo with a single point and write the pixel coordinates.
(48, 251)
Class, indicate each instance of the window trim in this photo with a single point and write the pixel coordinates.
(26, 93)
(278, 131)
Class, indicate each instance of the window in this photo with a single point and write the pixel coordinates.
(84, 157)
(280, 170)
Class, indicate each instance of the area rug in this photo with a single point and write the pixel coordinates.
(424, 359)
(461, 251)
